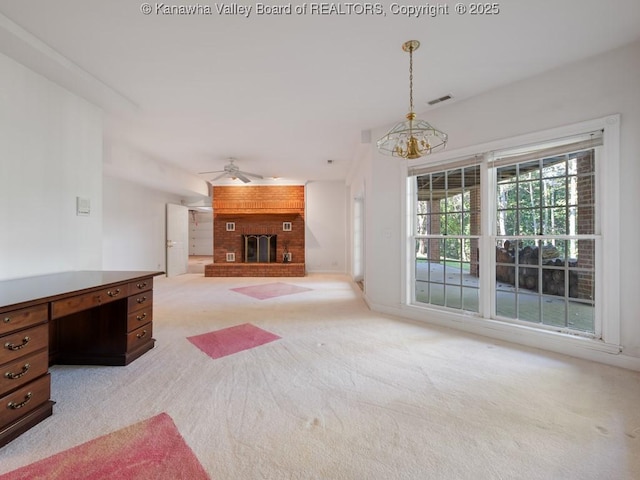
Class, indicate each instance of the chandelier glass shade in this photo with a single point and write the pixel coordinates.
(412, 138)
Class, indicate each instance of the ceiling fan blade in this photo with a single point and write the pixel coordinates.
(223, 174)
(255, 175)
(232, 171)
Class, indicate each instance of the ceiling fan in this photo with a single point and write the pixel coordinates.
(232, 171)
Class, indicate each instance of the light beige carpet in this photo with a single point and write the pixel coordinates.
(347, 393)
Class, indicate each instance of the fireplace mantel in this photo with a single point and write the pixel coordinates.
(256, 207)
(228, 214)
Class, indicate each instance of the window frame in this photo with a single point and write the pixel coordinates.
(607, 176)
(415, 236)
(538, 237)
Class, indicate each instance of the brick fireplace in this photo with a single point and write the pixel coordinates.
(258, 231)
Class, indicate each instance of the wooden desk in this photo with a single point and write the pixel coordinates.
(82, 318)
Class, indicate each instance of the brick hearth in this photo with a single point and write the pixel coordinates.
(254, 270)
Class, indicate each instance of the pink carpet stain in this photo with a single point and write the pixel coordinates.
(227, 341)
(270, 290)
(151, 449)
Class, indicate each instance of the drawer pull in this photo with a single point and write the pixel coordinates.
(11, 346)
(113, 293)
(141, 317)
(141, 299)
(141, 285)
(13, 376)
(16, 406)
(7, 319)
(140, 335)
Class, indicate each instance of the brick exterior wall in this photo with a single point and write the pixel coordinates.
(258, 210)
(433, 228)
(586, 224)
(474, 228)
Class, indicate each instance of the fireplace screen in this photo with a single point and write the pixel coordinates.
(259, 248)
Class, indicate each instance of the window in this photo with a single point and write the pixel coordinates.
(446, 229)
(546, 241)
(532, 212)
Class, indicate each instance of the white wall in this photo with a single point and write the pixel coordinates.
(384, 234)
(50, 153)
(123, 161)
(326, 227)
(586, 90)
(137, 188)
(134, 226)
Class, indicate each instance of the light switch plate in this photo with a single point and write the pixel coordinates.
(83, 206)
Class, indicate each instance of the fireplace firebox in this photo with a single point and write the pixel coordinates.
(260, 248)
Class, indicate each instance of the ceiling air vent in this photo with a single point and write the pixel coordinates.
(435, 101)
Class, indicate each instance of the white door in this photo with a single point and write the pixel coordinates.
(177, 239)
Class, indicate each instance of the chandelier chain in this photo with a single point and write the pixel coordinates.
(411, 79)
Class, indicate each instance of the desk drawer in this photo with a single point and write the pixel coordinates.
(25, 317)
(114, 293)
(139, 337)
(75, 304)
(140, 301)
(86, 301)
(139, 318)
(17, 373)
(140, 286)
(22, 401)
(22, 343)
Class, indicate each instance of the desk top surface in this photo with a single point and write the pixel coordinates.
(46, 287)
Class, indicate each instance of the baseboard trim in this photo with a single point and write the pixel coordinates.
(574, 346)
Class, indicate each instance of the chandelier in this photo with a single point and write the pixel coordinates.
(412, 138)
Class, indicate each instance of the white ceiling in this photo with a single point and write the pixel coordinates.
(285, 93)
